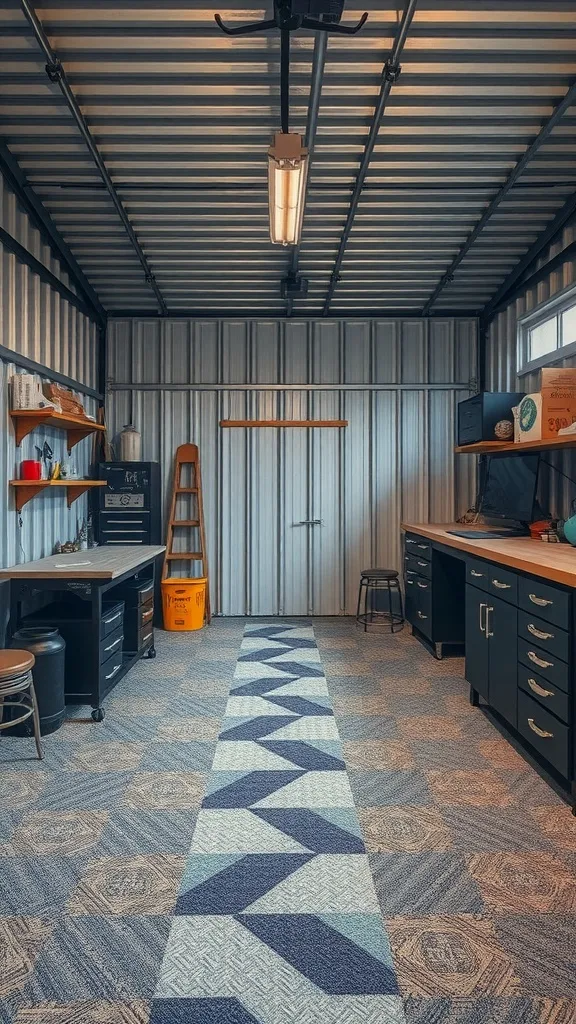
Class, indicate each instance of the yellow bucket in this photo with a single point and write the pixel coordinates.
(183, 603)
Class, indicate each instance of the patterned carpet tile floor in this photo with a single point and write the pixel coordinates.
(292, 827)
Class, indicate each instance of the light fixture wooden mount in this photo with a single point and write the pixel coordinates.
(283, 423)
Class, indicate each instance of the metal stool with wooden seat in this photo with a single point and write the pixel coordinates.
(371, 581)
(16, 682)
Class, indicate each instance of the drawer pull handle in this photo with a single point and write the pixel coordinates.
(478, 575)
(423, 547)
(422, 563)
(539, 689)
(421, 616)
(148, 615)
(147, 637)
(538, 632)
(502, 586)
(539, 732)
(539, 661)
(408, 541)
(113, 619)
(423, 586)
(540, 601)
(146, 590)
(115, 644)
(113, 673)
(410, 582)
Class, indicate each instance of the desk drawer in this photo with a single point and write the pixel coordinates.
(417, 546)
(544, 732)
(549, 696)
(548, 602)
(418, 565)
(547, 665)
(110, 670)
(548, 636)
(493, 579)
(112, 616)
(111, 644)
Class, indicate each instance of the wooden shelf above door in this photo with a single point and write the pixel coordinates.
(28, 489)
(76, 427)
(283, 423)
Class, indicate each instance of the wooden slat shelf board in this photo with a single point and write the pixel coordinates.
(76, 427)
(98, 563)
(492, 447)
(283, 423)
(28, 489)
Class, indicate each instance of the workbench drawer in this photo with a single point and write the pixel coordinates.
(418, 565)
(136, 620)
(111, 644)
(545, 733)
(110, 670)
(548, 636)
(549, 696)
(493, 579)
(417, 546)
(112, 616)
(546, 665)
(546, 601)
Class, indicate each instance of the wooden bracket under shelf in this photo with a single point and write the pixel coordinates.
(28, 489)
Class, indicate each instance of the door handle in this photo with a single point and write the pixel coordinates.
(539, 661)
(489, 632)
(538, 632)
(539, 689)
(482, 624)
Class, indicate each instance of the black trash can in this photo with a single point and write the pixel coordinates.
(48, 647)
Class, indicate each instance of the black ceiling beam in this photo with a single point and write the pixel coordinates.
(493, 308)
(279, 314)
(318, 63)
(41, 219)
(568, 101)
(513, 284)
(56, 73)
(390, 74)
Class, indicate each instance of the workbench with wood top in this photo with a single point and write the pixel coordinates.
(95, 589)
(510, 604)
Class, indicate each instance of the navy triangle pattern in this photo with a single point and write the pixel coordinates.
(277, 920)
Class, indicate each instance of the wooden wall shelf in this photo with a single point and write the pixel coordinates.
(283, 423)
(28, 489)
(493, 447)
(76, 427)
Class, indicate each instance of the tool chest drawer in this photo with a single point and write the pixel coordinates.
(546, 601)
(136, 592)
(547, 665)
(419, 547)
(551, 697)
(419, 606)
(544, 732)
(112, 616)
(548, 636)
(109, 669)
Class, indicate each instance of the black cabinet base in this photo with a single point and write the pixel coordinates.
(439, 650)
(474, 697)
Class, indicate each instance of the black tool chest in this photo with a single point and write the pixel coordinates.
(129, 506)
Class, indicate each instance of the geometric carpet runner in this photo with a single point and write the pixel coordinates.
(277, 920)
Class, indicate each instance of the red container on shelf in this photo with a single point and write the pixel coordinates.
(30, 469)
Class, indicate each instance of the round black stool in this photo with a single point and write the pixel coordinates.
(372, 580)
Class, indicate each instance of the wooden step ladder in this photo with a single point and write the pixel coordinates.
(187, 455)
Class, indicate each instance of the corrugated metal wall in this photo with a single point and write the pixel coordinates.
(38, 323)
(396, 382)
(555, 492)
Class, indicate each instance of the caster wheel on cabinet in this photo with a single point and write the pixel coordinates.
(151, 653)
(98, 714)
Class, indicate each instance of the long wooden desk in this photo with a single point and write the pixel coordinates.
(555, 562)
(512, 605)
(86, 578)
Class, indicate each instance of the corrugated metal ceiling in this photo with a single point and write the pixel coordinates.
(183, 116)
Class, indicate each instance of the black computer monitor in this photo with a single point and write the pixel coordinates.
(508, 490)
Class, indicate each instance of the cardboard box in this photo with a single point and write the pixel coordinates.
(542, 414)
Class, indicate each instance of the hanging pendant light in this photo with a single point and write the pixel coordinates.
(287, 163)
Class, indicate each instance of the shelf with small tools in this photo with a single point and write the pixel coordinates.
(28, 489)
